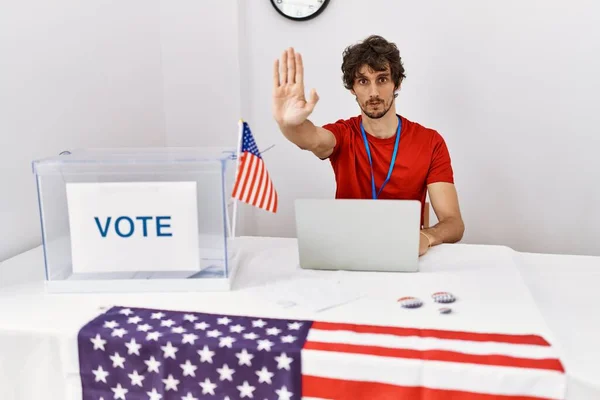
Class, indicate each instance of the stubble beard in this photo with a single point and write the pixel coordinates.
(377, 114)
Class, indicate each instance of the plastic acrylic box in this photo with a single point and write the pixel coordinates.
(131, 220)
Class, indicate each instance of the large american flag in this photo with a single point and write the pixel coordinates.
(140, 353)
(253, 184)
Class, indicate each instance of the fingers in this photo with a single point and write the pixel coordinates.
(284, 68)
(312, 100)
(299, 69)
(289, 69)
(291, 59)
(276, 83)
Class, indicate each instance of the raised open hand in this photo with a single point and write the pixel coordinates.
(290, 106)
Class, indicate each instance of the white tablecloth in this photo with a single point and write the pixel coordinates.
(565, 290)
(550, 295)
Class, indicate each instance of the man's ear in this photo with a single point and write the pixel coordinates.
(396, 90)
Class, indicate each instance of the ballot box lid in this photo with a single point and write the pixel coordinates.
(90, 158)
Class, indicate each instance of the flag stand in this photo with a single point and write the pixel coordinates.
(232, 224)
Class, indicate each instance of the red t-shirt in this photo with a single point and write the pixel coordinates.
(422, 158)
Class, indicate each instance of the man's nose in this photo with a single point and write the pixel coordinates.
(373, 91)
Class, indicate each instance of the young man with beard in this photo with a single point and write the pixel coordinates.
(365, 149)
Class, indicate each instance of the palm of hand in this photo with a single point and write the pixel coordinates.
(290, 106)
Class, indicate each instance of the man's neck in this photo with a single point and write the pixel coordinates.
(384, 127)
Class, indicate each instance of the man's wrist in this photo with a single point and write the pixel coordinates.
(430, 238)
(427, 238)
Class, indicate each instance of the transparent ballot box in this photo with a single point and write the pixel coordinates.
(130, 220)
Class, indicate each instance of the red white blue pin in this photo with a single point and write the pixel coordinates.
(410, 302)
(443, 297)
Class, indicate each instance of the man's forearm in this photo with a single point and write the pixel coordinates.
(450, 230)
(303, 135)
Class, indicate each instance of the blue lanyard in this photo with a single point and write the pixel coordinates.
(392, 162)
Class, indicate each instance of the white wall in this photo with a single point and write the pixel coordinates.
(204, 97)
(511, 85)
(72, 74)
(201, 73)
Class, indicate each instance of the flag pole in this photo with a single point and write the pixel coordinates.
(237, 165)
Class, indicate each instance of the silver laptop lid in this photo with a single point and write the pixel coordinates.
(360, 235)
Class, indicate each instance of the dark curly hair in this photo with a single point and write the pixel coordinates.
(377, 53)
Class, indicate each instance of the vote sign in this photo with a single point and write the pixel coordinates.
(133, 226)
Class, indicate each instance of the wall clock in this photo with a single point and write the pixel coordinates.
(300, 10)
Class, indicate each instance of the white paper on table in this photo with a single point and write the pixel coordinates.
(315, 294)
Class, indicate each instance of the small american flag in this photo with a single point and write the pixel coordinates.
(139, 353)
(253, 184)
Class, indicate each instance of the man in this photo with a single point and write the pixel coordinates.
(364, 150)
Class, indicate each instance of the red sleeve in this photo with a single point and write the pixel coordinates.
(340, 131)
(440, 169)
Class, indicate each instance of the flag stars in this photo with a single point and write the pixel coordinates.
(294, 326)
(118, 361)
(134, 320)
(206, 355)
(288, 339)
(111, 324)
(152, 364)
(190, 317)
(244, 358)
(264, 376)
(98, 342)
(201, 326)
(251, 336)
(273, 331)
(120, 332)
(258, 323)
(208, 387)
(153, 336)
(283, 361)
(133, 347)
(169, 351)
(170, 383)
(136, 379)
(188, 368)
(283, 393)
(225, 373)
(119, 392)
(144, 328)
(265, 345)
(246, 390)
(158, 315)
(154, 395)
(100, 374)
(226, 341)
(167, 322)
(139, 344)
(189, 338)
(214, 333)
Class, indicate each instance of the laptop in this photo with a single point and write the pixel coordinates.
(358, 235)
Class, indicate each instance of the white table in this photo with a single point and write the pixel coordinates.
(37, 330)
(565, 289)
